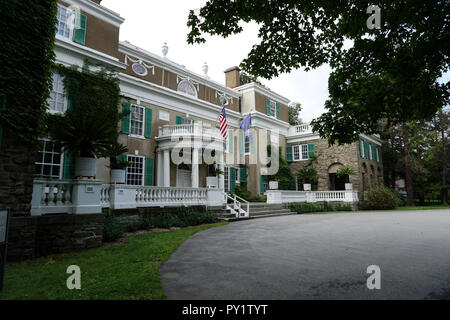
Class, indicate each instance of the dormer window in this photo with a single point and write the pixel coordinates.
(187, 87)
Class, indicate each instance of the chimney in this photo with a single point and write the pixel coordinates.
(232, 77)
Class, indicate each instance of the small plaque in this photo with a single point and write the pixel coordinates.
(3, 222)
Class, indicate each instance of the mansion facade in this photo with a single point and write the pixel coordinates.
(169, 104)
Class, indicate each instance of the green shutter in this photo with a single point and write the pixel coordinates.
(379, 154)
(2, 108)
(149, 171)
(278, 111)
(241, 142)
(67, 165)
(310, 150)
(79, 33)
(267, 106)
(289, 154)
(252, 142)
(366, 150)
(126, 106)
(232, 180)
(178, 120)
(243, 175)
(261, 184)
(230, 141)
(374, 153)
(148, 123)
(361, 148)
(293, 183)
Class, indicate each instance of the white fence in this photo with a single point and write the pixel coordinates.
(286, 196)
(300, 129)
(90, 196)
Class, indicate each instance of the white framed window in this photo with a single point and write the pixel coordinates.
(246, 144)
(186, 121)
(226, 175)
(296, 153)
(50, 160)
(304, 152)
(300, 152)
(64, 26)
(58, 100)
(273, 109)
(135, 172)
(137, 120)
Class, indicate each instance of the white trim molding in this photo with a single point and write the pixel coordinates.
(70, 53)
(127, 48)
(97, 11)
(253, 86)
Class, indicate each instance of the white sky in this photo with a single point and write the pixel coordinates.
(148, 24)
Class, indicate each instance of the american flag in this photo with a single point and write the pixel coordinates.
(223, 123)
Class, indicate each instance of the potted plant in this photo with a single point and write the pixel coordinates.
(346, 172)
(117, 162)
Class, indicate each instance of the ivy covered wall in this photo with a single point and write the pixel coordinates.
(26, 55)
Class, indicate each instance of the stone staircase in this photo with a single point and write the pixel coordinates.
(259, 210)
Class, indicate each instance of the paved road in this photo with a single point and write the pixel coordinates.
(316, 257)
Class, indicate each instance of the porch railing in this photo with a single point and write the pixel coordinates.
(300, 129)
(187, 129)
(84, 196)
(236, 205)
(286, 196)
(51, 196)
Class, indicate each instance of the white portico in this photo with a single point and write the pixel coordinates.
(188, 147)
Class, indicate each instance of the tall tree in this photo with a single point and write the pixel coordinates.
(388, 73)
(294, 114)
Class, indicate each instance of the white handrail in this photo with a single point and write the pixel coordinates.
(238, 205)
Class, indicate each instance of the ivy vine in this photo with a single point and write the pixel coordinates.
(27, 57)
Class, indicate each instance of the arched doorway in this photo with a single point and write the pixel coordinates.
(336, 182)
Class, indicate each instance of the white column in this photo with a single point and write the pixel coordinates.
(166, 168)
(195, 175)
(160, 177)
(222, 176)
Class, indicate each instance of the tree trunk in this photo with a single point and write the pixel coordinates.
(408, 174)
(444, 192)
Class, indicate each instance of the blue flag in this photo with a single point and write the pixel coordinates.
(246, 124)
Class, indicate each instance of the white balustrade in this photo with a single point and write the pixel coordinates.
(287, 196)
(300, 129)
(51, 196)
(188, 129)
(105, 195)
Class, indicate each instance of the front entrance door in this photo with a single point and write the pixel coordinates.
(184, 178)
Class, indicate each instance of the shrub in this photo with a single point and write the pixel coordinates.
(380, 198)
(343, 207)
(112, 229)
(183, 217)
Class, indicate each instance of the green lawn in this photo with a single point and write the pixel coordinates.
(424, 207)
(125, 271)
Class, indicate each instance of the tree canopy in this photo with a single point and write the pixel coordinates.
(390, 73)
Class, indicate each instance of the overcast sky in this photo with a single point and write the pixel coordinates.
(148, 24)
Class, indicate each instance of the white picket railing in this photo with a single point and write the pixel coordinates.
(286, 196)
